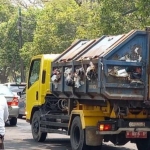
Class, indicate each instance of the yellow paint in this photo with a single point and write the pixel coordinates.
(141, 115)
(107, 109)
(88, 117)
(42, 89)
(113, 115)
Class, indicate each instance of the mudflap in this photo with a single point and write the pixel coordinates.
(91, 138)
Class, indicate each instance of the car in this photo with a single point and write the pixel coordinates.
(22, 103)
(12, 102)
(19, 90)
(15, 87)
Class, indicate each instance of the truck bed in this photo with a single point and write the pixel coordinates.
(107, 68)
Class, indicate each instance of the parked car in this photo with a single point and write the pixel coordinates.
(18, 90)
(22, 103)
(15, 87)
(12, 102)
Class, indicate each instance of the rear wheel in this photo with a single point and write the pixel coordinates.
(35, 127)
(13, 121)
(77, 137)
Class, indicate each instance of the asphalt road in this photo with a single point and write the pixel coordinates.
(20, 138)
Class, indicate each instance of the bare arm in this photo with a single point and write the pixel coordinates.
(6, 113)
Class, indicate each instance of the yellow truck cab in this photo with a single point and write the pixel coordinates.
(38, 82)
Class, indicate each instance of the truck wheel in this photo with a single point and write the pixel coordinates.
(35, 127)
(13, 121)
(77, 135)
(143, 144)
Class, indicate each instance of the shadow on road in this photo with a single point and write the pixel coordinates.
(51, 144)
(30, 144)
(20, 137)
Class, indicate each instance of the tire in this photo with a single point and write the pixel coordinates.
(13, 121)
(35, 127)
(143, 144)
(77, 135)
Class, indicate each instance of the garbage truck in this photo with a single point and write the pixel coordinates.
(95, 91)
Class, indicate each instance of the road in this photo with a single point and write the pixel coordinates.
(20, 138)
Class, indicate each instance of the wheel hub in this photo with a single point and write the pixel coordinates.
(36, 126)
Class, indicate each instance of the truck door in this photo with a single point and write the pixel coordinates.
(33, 86)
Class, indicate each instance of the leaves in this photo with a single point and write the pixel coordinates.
(51, 26)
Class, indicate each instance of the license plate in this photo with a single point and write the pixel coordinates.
(139, 134)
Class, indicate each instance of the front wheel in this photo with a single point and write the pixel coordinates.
(35, 127)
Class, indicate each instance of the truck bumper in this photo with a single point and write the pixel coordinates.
(121, 125)
(122, 130)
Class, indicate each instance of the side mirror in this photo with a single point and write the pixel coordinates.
(23, 93)
(19, 94)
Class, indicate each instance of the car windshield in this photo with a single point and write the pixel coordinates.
(16, 87)
(5, 91)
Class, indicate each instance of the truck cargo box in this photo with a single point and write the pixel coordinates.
(110, 67)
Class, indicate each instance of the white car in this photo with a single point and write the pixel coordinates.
(19, 91)
(12, 102)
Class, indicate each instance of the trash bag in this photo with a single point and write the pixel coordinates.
(69, 77)
(55, 75)
(91, 73)
(69, 80)
(78, 76)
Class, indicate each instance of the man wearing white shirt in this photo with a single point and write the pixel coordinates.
(3, 118)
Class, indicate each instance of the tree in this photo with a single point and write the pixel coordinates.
(119, 16)
(50, 26)
(8, 55)
(60, 23)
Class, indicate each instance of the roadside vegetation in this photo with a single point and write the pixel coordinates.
(51, 26)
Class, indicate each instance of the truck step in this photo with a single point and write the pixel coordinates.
(52, 116)
(53, 130)
(55, 124)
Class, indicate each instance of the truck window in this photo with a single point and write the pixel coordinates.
(34, 72)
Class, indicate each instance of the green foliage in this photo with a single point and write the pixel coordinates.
(54, 27)
(8, 38)
(60, 23)
(118, 16)
(6, 10)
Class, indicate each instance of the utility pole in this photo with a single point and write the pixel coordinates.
(20, 45)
